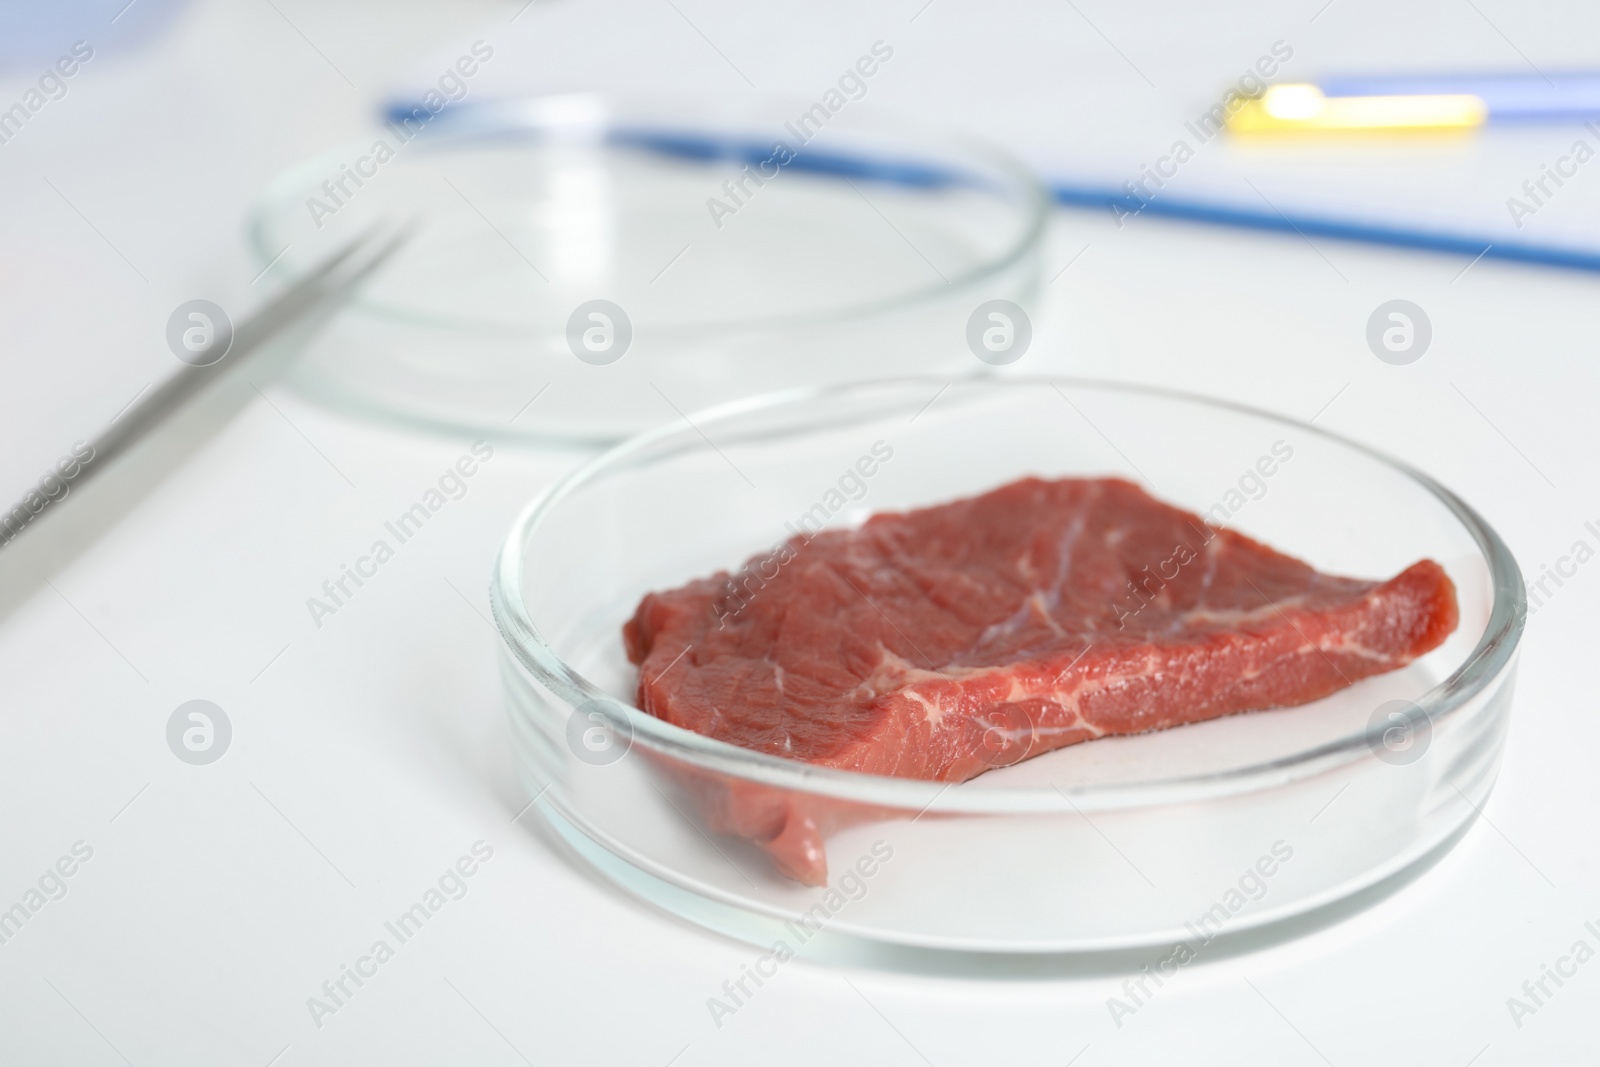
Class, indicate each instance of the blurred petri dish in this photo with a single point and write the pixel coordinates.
(585, 267)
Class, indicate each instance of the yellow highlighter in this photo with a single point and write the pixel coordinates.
(1303, 108)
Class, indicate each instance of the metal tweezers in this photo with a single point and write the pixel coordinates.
(322, 290)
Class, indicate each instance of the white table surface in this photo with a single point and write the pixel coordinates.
(370, 753)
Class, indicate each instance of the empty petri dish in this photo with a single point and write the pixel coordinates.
(585, 266)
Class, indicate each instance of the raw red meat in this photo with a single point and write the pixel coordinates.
(942, 642)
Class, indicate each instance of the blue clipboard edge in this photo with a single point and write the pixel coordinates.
(684, 143)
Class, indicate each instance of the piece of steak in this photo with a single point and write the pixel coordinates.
(942, 642)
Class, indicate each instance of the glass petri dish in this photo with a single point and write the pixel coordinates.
(1248, 827)
(741, 247)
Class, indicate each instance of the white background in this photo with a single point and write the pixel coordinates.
(371, 753)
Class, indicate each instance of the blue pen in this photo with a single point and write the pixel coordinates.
(1532, 97)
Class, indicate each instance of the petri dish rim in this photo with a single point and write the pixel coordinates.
(1489, 659)
(601, 112)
